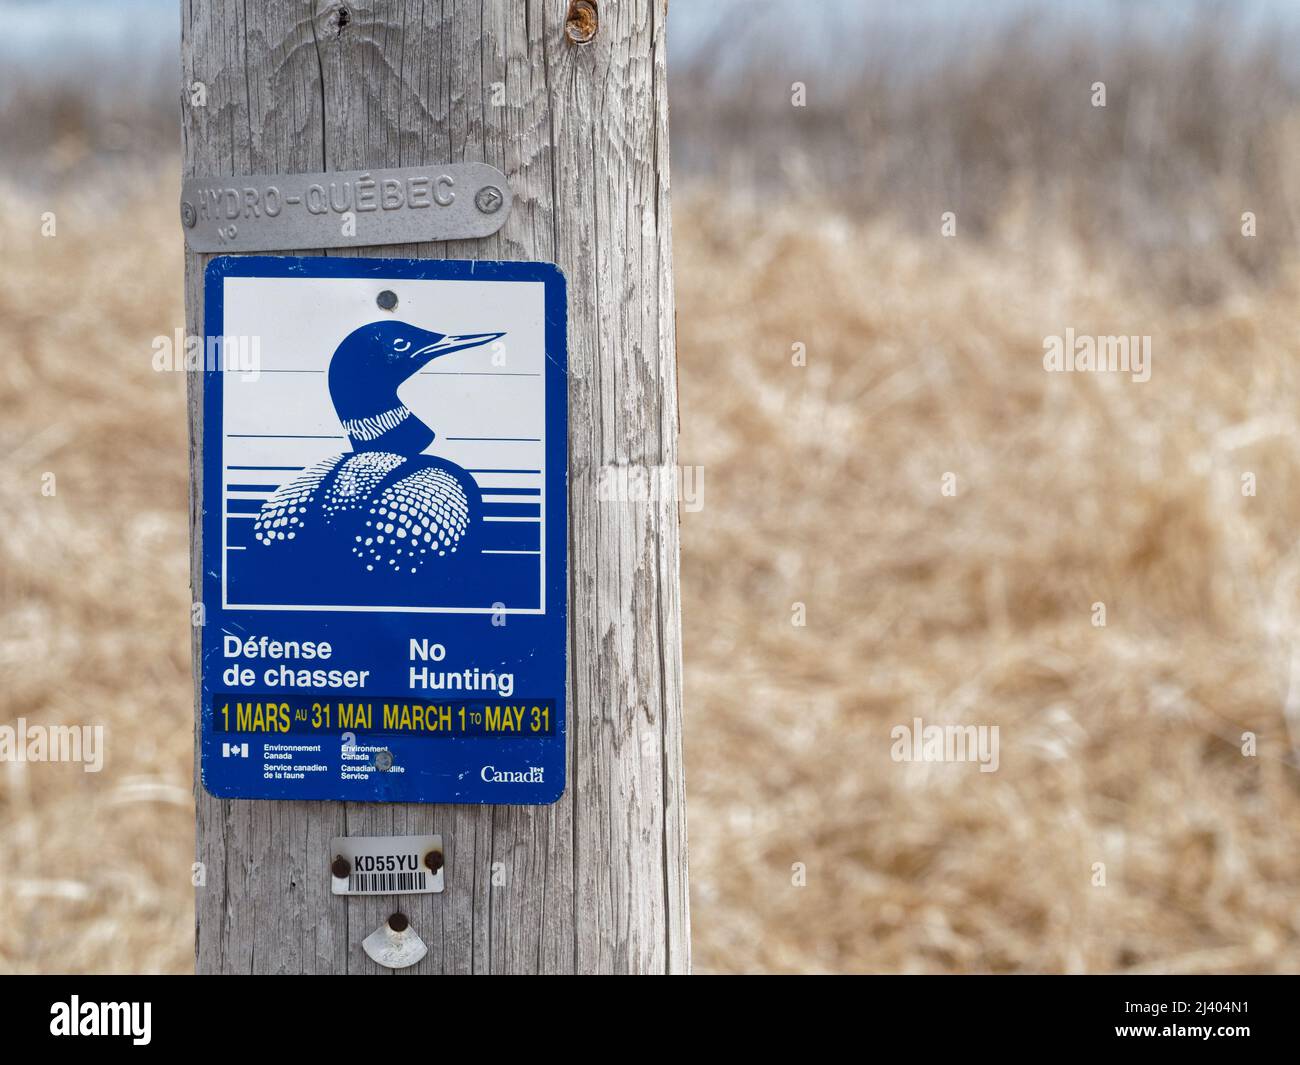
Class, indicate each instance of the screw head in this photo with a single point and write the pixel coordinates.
(398, 922)
(433, 861)
(387, 299)
(341, 868)
(384, 761)
(489, 199)
(188, 215)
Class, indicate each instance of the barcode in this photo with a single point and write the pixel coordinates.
(387, 882)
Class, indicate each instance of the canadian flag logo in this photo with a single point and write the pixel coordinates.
(234, 750)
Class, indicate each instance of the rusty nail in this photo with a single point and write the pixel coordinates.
(581, 22)
(433, 860)
(398, 922)
(488, 199)
(341, 868)
(188, 215)
(387, 299)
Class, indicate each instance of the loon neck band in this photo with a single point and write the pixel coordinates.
(375, 426)
(397, 431)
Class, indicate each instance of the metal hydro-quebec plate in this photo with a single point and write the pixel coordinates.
(343, 209)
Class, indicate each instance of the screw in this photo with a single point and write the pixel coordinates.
(433, 860)
(488, 199)
(387, 299)
(383, 761)
(188, 215)
(581, 22)
(341, 868)
(398, 922)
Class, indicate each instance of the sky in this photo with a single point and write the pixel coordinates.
(49, 35)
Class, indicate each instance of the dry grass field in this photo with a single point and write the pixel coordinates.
(812, 850)
(1119, 744)
(94, 584)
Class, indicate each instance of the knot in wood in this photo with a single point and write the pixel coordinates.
(581, 22)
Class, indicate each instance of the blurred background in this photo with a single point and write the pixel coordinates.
(840, 356)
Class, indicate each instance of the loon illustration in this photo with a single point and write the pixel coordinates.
(385, 505)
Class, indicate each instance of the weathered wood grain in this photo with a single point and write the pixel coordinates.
(596, 882)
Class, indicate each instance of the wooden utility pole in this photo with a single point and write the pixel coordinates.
(570, 101)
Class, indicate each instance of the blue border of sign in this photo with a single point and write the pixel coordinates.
(445, 769)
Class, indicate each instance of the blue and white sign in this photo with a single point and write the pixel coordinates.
(384, 530)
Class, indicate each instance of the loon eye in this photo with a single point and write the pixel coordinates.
(401, 345)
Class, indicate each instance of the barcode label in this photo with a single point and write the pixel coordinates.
(387, 882)
(386, 865)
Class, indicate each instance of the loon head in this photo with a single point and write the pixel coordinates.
(370, 365)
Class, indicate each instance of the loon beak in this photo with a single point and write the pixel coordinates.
(448, 344)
